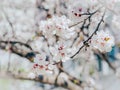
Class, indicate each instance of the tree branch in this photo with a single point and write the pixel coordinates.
(86, 41)
(29, 53)
(48, 80)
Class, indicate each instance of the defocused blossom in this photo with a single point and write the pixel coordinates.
(31, 75)
(36, 44)
(103, 41)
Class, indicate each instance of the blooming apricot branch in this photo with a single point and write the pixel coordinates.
(55, 32)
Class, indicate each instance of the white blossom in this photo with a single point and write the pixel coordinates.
(103, 41)
(60, 52)
(31, 75)
(57, 26)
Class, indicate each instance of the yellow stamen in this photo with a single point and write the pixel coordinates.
(106, 38)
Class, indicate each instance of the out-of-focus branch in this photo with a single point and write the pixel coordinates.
(104, 57)
(71, 78)
(14, 49)
(30, 54)
(12, 44)
(18, 49)
(49, 80)
(10, 23)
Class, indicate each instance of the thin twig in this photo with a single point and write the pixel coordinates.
(86, 41)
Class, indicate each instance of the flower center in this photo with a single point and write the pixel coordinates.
(106, 38)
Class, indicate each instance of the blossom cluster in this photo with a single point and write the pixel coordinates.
(57, 26)
(61, 52)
